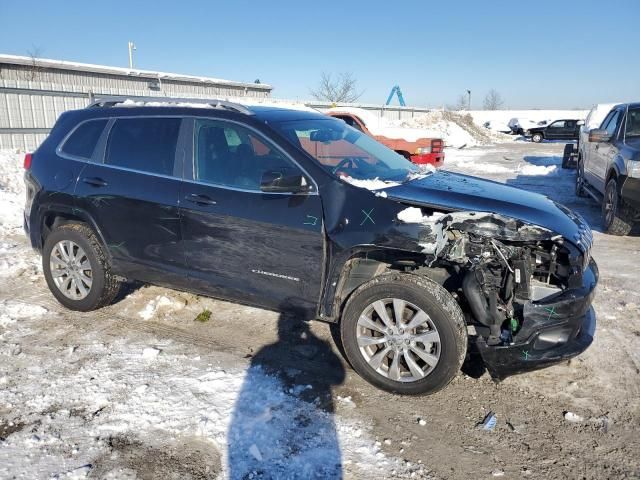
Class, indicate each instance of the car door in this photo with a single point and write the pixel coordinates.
(241, 243)
(556, 130)
(132, 195)
(571, 130)
(604, 152)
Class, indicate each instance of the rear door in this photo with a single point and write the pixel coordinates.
(556, 131)
(133, 196)
(571, 129)
(241, 243)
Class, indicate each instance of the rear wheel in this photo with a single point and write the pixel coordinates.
(76, 268)
(617, 217)
(404, 333)
(537, 137)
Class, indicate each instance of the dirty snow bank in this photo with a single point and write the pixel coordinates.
(456, 129)
(11, 191)
(16, 258)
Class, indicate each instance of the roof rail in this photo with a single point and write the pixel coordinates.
(113, 101)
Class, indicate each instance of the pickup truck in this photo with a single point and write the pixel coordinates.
(609, 168)
(559, 130)
(411, 143)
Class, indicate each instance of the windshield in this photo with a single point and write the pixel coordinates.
(345, 151)
(633, 123)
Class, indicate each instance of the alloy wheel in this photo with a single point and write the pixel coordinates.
(398, 340)
(610, 204)
(71, 270)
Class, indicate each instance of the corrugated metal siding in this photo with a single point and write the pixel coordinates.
(32, 97)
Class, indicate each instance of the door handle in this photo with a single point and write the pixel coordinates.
(95, 181)
(199, 199)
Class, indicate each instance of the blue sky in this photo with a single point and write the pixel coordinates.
(542, 54)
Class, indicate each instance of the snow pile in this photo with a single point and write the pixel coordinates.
(11, 311)
(456, 129)
(11, 191)
(160, 303)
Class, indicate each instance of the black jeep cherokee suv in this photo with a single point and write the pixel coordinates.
(289, 209)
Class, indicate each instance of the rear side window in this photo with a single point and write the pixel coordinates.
(144, 144)
(82, 142)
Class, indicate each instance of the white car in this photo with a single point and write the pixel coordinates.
(498, 126)
(520, 126)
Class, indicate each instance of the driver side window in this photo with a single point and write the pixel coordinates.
(612, 125)
(559, 124)
(230, 155)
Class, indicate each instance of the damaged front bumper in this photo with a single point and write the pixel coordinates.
(554, 329)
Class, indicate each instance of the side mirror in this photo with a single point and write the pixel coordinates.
(274, 181)
(599, 135)
(580, 123)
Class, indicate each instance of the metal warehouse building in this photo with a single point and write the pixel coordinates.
(33, 92)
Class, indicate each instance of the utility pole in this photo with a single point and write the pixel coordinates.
(132, 47)
(469, 106)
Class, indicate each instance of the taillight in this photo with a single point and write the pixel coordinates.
(27, 161)
(436, 146)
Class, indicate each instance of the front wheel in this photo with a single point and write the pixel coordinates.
(404, 333)
(580, 179)
(537, 138)
(617, 217)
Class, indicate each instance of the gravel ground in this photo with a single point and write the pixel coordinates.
(142, 390)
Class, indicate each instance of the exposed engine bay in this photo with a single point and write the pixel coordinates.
(497, 265)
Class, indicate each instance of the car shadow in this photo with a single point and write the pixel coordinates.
(283, 424)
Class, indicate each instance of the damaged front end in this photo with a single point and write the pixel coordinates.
(527, 291)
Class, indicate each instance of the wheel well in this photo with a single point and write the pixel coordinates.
(53, 220)
(360, 269)
(612, 174)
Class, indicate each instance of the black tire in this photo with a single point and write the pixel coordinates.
(580, 179)
(433, 299)
(537, 137)
(567, 155)
(104, 287)
(617, 216)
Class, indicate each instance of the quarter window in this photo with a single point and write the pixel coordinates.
(230, 155)
(82, 142)
(144, 144)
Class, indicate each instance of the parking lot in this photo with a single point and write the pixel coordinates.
(142, 389)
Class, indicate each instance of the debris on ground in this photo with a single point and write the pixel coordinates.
(489, 422)
(572, 417)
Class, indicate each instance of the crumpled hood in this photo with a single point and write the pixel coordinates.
(446, 191)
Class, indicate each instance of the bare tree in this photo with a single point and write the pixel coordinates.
(493, 100)
(34, 70)
(336, 90)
